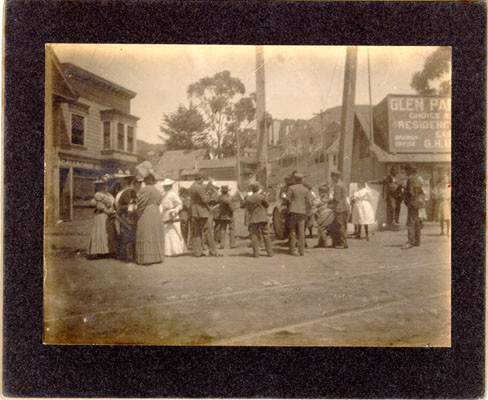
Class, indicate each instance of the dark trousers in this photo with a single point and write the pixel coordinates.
(322, 233)
(200, 228)
(257, 230)
(297, 228)
(414, 226)
(393, 210)
(339, 236)
(221, 226)
(185, 230)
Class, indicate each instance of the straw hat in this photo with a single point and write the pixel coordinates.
(167, 182)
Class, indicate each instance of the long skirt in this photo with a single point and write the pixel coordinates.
(362, 213)
(99, 238)
(444, 212)
(149, 237)
(174, 242)
(102, 237)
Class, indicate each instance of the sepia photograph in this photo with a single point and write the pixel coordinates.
(240, 195)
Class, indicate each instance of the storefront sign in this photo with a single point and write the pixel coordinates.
(78, 164)
(419, 124)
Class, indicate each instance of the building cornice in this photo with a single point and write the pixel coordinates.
(73, 71)
(111, 114)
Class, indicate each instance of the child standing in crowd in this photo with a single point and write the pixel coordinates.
(443, 192)
(362, 210)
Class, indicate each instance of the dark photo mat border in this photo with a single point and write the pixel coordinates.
(31, 369)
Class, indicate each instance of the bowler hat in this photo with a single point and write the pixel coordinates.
(335, 173)
(224, 189)
(299, 175)
(254, 186)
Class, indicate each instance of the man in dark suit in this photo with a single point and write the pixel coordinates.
(390, 194)
(299, 197)
(414, 201)
(256, 205)
(340, 206)
(225, 218)
(200, 213)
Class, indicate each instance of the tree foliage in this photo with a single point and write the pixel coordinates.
(184, 129)
(216, 96)
(242, 122)
(437, 68)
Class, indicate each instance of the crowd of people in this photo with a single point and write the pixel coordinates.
(139, 221)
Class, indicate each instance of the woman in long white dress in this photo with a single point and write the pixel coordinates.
(174, 242)
(362, 210)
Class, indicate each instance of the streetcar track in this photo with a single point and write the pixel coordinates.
(241, 292)
(302, 324)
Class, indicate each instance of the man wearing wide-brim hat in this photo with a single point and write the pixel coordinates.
(341, 208)
(200, 213)
(225, 218)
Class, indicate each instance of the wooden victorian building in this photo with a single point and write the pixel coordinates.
(89, 131)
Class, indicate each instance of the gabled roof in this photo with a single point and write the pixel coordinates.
(333, 114)
(333, 148)
(217, 163)
(61, 86)
(179, 159)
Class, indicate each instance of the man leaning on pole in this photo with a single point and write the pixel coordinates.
(340, 206)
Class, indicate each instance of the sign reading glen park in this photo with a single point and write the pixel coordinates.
(419, 124)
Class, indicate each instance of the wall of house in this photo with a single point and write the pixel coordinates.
(93, 138)
(89, 91)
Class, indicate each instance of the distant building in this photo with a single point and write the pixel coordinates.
(407, 129)
(177, 164)
(89, 132)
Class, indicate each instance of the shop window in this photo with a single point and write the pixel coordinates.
(106, 135)
(120, 136)
(130, 138)
(77, 129)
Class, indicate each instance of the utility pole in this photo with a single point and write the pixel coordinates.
(238, 160)
(262, 145)
(347, 116)
(371, 126)
(322, 135)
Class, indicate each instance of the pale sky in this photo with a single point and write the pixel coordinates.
(300, 80)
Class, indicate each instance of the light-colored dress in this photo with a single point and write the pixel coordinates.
(102, 236)
(174, 242)
(362, 211)
(444, 197)
(149, 235)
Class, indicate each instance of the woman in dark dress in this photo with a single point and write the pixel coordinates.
(102, 238)
(149, 235)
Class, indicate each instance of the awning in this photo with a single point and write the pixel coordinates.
(386, 157)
